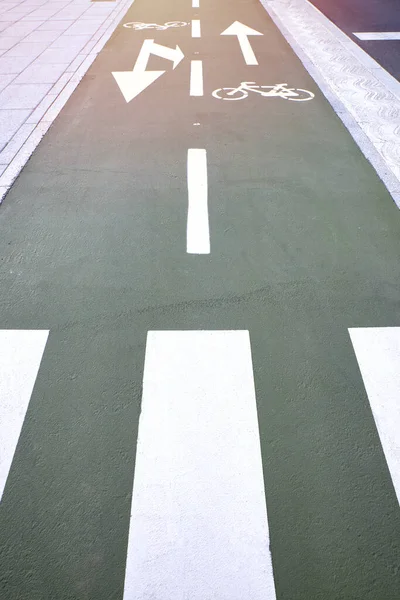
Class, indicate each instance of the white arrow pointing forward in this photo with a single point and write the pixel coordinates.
(242, 31)
(131, 83)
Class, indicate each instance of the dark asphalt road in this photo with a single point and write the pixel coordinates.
(372, 16)
(304, 245)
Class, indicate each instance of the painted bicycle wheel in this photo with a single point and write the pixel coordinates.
(303, 96)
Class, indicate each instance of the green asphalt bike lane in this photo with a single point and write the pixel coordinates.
(304, 245)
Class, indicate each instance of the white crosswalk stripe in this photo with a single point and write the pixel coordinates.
(378, 354)
(199, 525)
(21, 353)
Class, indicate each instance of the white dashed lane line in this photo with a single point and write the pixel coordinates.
(198, 230)
(196, 30)
(196, 78)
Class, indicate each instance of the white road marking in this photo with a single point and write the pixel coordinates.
(376, 35)
(378, 354)
(196, 78)
(279, 90)
(137, 26)
(195, 3)
(21, 353)
(175, 55)
(196, 31)
(198, 525)
(242, 32)
(132, 83)
(198, 229)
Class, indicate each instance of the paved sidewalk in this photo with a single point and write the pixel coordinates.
(46, 46)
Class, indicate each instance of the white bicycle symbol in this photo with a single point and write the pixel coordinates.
(280, 90)
(139, 26)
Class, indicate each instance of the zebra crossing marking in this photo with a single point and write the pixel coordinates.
(198, 525)
(378, 354)
(21, 355)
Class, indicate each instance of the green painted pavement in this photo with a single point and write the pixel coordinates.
(304, 244)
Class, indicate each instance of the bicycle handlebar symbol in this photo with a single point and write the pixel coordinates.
(137, 26)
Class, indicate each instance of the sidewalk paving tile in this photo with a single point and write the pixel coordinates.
(41, 73)
(27, 49)
(16, 142)
(56, 25)
(14, 64)
(10, 122)
(23, 95)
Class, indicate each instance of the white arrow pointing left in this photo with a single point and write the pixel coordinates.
(242, 32)
(131, 83)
